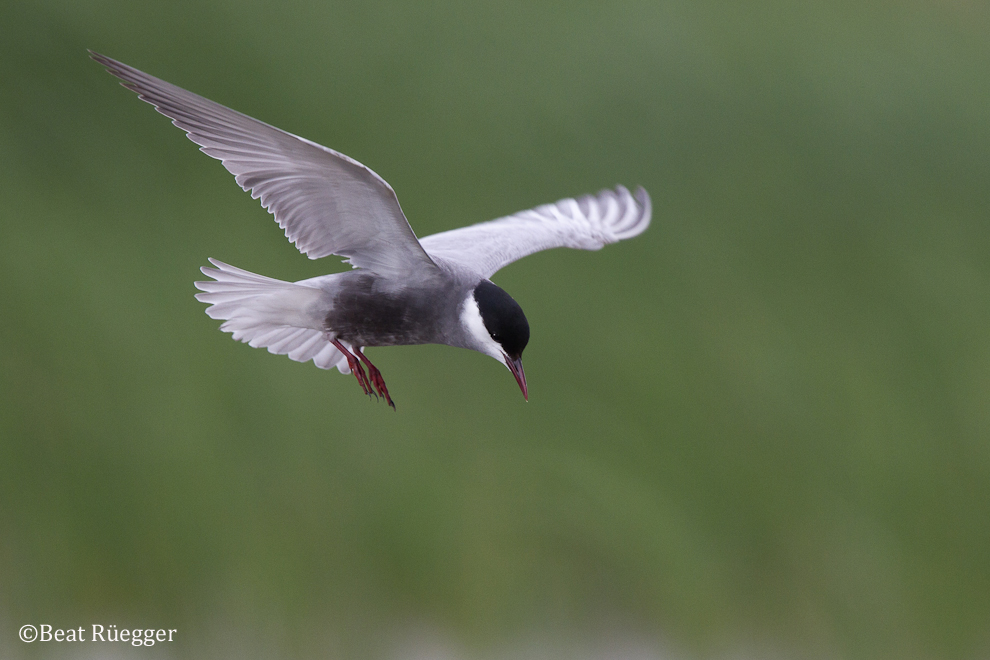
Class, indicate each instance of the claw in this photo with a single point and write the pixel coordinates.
(372, 382)
(376, 377)
(355, 366)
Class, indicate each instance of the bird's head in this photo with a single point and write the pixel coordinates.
(496, 326)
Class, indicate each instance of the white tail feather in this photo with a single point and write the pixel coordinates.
(265, 312)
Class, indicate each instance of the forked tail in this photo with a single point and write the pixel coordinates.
(264, 312)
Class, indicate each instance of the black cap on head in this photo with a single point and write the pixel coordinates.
(503, 318)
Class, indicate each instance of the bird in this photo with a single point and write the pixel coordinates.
(401, 290)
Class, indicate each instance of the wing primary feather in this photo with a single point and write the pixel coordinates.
(587, 223)
(326, 202)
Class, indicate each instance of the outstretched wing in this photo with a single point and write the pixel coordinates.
(585, 223)
(326, 202)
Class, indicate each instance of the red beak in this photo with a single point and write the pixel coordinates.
(515, 366)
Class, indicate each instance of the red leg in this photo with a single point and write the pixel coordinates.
(355, 367)
(376, 377)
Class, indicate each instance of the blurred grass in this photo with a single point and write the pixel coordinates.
(762, 424)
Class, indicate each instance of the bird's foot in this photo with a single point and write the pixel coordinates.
(355, 366)
(376, 378)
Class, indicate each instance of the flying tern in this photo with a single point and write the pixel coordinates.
(402, 290)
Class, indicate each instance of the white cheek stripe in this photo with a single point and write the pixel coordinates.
(472, 321)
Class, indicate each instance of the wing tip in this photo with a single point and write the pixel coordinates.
(112, 66)
(636, 215)
(99, 57)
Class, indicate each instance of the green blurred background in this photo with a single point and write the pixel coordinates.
(762, 429)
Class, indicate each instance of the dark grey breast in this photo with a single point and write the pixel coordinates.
(367, 311)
